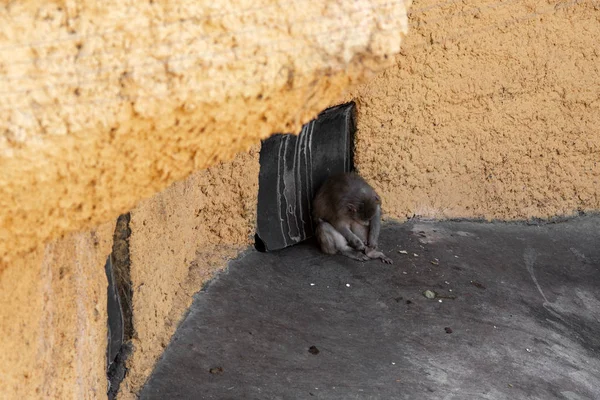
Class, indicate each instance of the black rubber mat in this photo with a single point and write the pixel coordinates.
(292, 168)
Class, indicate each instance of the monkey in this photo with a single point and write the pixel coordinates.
(347, 214)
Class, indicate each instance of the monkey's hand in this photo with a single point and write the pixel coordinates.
(371, 251)
(353, 241)
(385, 259)
(358, 245)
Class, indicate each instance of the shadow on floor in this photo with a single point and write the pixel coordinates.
(517, 315)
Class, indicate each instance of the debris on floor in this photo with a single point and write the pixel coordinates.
(216, 370)
(478, 285)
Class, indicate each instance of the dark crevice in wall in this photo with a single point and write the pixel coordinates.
(117, 371)
(292, 168)
(120, 307)
(259, 245)
(121, 264)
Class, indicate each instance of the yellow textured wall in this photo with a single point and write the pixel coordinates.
(179, 238)
(53, 320)
(492, 111)
(105, 103)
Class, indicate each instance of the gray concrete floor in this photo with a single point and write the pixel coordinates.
(518, 318)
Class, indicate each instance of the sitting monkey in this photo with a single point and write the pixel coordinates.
(347, 214)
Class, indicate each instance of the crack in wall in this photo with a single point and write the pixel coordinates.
(120, 310)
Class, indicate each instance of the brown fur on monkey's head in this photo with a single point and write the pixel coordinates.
(346, 196)
(363, 203)
(360, 199)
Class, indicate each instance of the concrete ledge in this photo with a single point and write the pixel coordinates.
(516, 315)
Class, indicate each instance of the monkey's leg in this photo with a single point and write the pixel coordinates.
(372, 253)
(363, 232)
(352, 240)
(325, 237)
(355, 254)
(360, 231)
(332, 242)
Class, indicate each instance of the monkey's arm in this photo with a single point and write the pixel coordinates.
(354, 241)
(374, 228)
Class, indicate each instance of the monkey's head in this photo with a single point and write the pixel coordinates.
(363, 210)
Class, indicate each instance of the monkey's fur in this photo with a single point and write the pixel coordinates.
(347, 214)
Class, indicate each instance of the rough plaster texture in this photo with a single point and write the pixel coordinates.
(53, 320)
(179, 238)
(492, 110)
(105, 103)
(489, 112)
